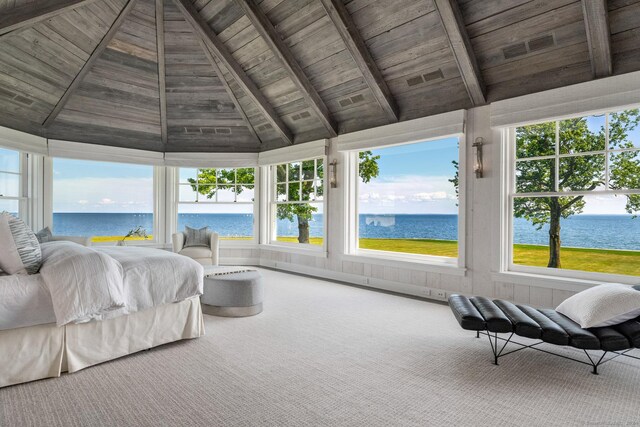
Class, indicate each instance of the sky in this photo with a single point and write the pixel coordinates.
(413, 179)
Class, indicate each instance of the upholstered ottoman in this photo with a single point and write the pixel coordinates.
(232, 294)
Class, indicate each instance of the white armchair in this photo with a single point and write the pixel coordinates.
(204, 255)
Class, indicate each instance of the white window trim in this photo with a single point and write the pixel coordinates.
(268, 214)
(23, 198)
(351, 219)
(224, 243)
(574, 280)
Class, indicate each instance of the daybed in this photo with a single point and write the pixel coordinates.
(53, 321)
(493, 317)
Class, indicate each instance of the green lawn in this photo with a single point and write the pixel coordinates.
(596, 260)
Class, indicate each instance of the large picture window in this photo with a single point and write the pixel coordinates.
(11, 188)
(297, 202)
(407, 199)
(221, 199)
(575, 194)
(103, 200)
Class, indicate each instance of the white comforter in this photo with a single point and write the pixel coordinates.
(101, 283)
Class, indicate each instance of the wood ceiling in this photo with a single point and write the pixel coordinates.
(251, 75)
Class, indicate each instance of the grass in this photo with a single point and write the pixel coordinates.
(595, 260)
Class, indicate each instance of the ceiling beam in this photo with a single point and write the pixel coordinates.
(162, 81)
(596, 20)
(458, 39)
(90, 62)
(280, 49)
(32, 13)
(342, 20)
(211, 40)
(227, 88)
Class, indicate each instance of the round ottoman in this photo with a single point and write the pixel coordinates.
(233, 294)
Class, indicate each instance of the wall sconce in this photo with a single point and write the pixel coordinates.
(477, 164)
(333, 174)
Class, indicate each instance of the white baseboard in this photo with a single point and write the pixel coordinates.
(239, 261)
(370, 282)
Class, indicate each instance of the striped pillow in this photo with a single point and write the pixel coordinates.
(196, 237)
(19, 248)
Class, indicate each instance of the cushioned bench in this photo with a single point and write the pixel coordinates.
(487, 316)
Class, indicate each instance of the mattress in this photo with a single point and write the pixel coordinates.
(24, 301)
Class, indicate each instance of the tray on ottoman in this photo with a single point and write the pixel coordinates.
(232, 291)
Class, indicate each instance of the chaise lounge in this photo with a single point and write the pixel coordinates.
(492, 317)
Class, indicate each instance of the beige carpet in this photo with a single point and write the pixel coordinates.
(328, 354)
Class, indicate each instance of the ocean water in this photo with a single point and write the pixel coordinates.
(588, 231)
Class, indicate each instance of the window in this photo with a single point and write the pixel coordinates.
(575, 194)
(222, 199)
(297, 202)
(103, 200)
(12, 194)
(407, 199)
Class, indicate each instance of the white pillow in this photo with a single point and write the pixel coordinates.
(19, 248)
(603, 305)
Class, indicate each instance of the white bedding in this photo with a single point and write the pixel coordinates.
(24, 301)
(151, 277)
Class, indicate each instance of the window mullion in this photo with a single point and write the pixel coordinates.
(557, 159)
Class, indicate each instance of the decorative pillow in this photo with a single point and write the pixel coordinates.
(44, 235)
(603, 305)
(19, 248)
(196, 237)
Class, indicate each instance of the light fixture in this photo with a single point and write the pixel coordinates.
(477, 165)
(333, 174)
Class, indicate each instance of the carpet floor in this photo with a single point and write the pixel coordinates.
(325, 354)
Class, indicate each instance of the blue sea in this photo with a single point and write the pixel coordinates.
(588, 231)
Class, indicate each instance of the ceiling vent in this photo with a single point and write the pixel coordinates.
(208, 130)
(190, 130)
(514, 50)
(302, 115)
(424, 78)
(6, 93)
(223, 131)
(264, 127)
(17, 98)
(532, 45)
(540, 43)
(352, 100)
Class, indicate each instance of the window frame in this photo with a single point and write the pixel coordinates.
(22, 198)
(271, 227)
(351, 249)
(256, 203)
(509, 194)
(158, 199)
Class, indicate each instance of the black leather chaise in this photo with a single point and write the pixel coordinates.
(493, 317)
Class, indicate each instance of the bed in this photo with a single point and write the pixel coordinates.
(69, 317)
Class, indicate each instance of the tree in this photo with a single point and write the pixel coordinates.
(575, 173)
(299, 185)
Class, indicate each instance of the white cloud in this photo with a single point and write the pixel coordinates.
(103, 195)
(106, 201)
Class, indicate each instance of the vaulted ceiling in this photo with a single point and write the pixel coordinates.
(251, 75)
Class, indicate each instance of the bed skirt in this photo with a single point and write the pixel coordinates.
(45, 351)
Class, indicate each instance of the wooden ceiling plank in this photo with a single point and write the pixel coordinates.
(32, 13)
(458, 39)
(216, 46)
(227, 88)
(343, 22)
(162, 81)
(280, 49)
(596, 20)
(90, 62)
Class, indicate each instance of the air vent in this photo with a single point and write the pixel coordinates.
(434, 75)
(264, 127)
(23, 100)
(223, 131)
(514, 50)
(345, 102)
(302, 115)
(357, 98)
(6, 93)
(540, 43)
(414, 81)
(190, 130)
(208, 130)
(352, 100)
